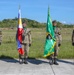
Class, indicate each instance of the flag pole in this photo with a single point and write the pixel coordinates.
(19, 6)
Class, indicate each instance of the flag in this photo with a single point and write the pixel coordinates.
(50, 38)
(19, 34)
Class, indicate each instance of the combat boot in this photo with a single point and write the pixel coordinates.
(51, 61)
(55, 61)
(25, 61)
(20, 59)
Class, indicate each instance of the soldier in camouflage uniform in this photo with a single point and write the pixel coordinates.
(0, 37)
(26, 42)
(58, 42)
(73, 38)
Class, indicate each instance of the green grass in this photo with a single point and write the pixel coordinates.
(9, 45)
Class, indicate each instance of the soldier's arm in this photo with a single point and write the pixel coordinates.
(59, 36)
(73, 37)
(0, 41)
(0, 37)
(29, 35)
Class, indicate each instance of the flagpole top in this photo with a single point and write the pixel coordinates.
(19, 6)
(48, 11)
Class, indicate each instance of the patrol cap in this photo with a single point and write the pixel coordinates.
(23, 22)
(54, 21)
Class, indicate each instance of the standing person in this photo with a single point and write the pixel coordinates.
(73, 38)
(58, 42)
(26, 41)
(0, 37)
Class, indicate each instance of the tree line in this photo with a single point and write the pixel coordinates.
(12, 23)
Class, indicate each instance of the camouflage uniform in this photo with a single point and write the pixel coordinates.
(26, 42)
(58, 41)
(73, 38)
(0, 37)
(58, 38)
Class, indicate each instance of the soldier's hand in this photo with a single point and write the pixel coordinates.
(73, 43)
(59, 44)
(29, 44)
(0, 43)
(48, 36)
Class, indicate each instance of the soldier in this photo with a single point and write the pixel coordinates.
(73, 38)
(26, 42)
(58, 42)
(0, 37)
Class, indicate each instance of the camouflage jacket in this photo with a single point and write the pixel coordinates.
(58, 35)
(26, 36)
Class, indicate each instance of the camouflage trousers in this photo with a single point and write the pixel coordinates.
(26, 50)
(56, 49)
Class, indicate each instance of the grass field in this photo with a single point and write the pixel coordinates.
(8, 49)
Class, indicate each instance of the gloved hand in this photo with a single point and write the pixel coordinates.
(59, 44)
(73, 43)
(0, 43)
(29, 44)
(48, 36)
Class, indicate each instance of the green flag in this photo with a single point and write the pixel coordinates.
(50, 38)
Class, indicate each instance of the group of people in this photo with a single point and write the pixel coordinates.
(26, 43)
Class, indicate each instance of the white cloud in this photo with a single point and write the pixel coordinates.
(64, 22)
